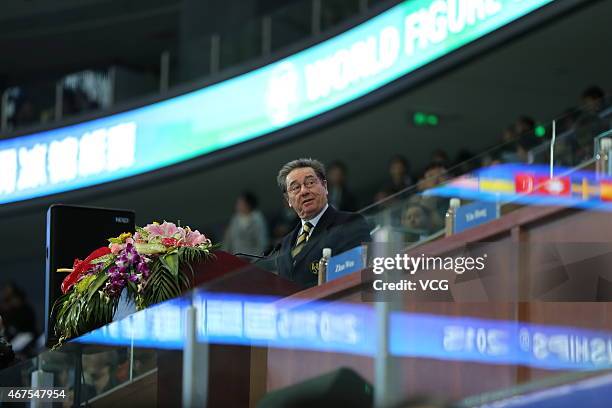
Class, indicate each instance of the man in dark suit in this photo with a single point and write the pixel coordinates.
(304, 185)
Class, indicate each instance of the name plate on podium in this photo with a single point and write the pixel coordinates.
(474, 214)
(347, 262)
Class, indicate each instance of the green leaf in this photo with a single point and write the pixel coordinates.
(103, 259)
(144, 234)
(162, 285)
(84, 283)
(171, 262)
(132, 286)
(101, 279)
(149, 249)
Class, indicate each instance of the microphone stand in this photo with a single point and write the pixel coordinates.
(258, 258)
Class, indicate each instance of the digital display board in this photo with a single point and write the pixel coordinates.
(301, 86)
(532, 185)
(350, 328)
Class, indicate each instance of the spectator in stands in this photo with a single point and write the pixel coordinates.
(567, 121)
(524, 125)
(144, 361)
(25, 113)
(587, 128)
(508, 135)
(303, 183)
(99, 372)
(247, 232)
(434, 174)
(399, 172)
(507, 151)
(465, 162)
(440, 156)
(589, 124)
(7, 356)
(524, 140)
(283, 222)
(339, 195)
(19, 320)
(593, 100)
(387, 210)
(417, 222)
(385, 199)
(491, 159)
(76, 101)
(522, 150)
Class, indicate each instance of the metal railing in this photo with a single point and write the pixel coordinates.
(259, 38)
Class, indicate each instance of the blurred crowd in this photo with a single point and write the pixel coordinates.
(20, 340)
(36, 104)
(397, 201)
(18, 324)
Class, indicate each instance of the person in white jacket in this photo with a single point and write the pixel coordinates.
(247, 231)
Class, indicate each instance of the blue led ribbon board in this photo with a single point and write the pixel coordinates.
(302, 86)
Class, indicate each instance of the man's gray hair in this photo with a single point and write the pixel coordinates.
(316, 165)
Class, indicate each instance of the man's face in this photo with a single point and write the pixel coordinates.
(592, 105)
(397, 169)
(433, 177)
(335, 175)
(306, 194)
(9, 300)
(414, 218)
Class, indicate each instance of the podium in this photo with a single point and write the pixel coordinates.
(530, 230)
(236, 373)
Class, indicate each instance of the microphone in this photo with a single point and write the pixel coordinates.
(273, 249)
(249, 255)
(266, 254)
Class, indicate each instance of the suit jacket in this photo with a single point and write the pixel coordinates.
(337, 230)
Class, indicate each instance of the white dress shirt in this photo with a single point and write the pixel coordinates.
(314, 221)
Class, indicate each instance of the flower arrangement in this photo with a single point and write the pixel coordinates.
(153, 265)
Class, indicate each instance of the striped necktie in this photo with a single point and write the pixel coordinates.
(302, 238)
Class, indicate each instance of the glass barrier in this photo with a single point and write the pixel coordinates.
(241, 332)
(417, 212)
(571, 389)
(574, 134)
(48, 101)
(92, 90)
(452, 351)
(24, 106)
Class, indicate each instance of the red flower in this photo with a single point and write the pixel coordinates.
(169, 242)
(81, 267)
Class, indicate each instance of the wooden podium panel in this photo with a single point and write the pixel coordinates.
(230, 367)
(239, 375)
(526, 227)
